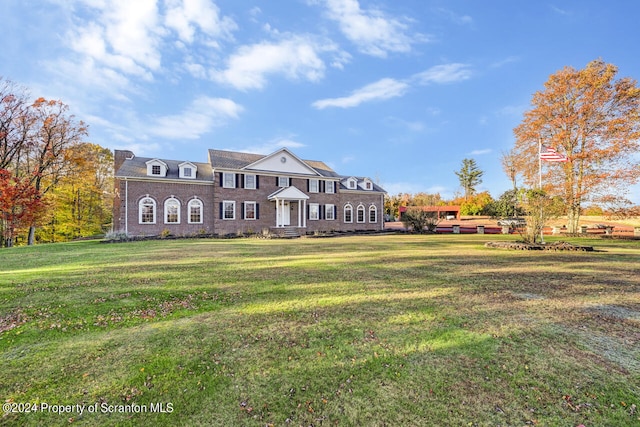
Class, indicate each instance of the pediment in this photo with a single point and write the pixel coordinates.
(288, 193)
(282, 161)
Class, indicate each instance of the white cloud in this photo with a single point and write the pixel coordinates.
(118, 37)
(273, 145)
(186, 16)
(371, 30)
(480, 152)
(444, 73)
(382, 89)
(200, 117)
(295, 57)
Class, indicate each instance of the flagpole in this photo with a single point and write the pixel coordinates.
(540, 187)
(540, 163)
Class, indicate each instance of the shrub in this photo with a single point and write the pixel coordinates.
(419, 221)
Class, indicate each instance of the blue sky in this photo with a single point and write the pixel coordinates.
(400, 91)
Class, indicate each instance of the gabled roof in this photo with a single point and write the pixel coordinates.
(232, 160)
(136, 167)
(359, 180)
(288, 193)
(154, 160)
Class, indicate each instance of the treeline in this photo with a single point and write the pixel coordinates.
(473, 204)
(54, 185)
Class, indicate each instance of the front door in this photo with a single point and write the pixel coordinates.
(284, 215)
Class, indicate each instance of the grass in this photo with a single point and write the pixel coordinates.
(376, 330)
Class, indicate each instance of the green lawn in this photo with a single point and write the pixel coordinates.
(351, 331)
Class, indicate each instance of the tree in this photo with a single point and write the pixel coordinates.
(20, 204)
(506, 206)
(539, 207)
(470, 176)
(509, 166)
(475, 204)
(54, 132)
(594, 120)
(419, 221)
(82, 198)
(34, 139)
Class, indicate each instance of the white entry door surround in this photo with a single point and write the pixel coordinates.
(283, 199)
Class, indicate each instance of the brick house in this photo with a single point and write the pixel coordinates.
(241, 193)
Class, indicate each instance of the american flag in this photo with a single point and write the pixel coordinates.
(551, 155)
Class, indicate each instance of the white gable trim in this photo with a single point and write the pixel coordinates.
(156, 162)
(282, 161)
(194, 170)
(288, 193)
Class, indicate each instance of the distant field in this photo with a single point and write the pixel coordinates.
(355, 331)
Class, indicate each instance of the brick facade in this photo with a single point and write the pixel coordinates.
(134, 184)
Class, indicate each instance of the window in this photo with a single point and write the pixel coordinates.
(155, 170)
(187, 170)
(250, 182)
(329, 212)
(348, 213)
(250, 210)
(314, 211)
(283, 181)
(329, 187)
(147, 211)
(172, 211)
(195, 212)
(352, 184)
(228, 210)
(228, 180)
(367, 185)
(313, 186)
(373, 214)
(360, 213)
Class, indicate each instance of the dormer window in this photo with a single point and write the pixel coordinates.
(188, 170)
(352, 184)
(157, 167)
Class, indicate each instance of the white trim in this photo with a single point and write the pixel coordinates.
(329, 208)
(225, 175)
(330, 185)
(166, 213)
(156, 162)
(373, 208)
(255, 207)
(254, 181)
(314, 208)
(344, 213)
(187, 165)
(154, 206)
(199, 204)
(316, 182)
(364, 214)
(280, 183)
(224, 210)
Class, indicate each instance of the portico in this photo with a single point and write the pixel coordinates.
(284, 198)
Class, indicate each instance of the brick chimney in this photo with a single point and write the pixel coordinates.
(119, 156)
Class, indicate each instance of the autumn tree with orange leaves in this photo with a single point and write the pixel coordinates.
(34, 138)
(20, 205)
(593, 119)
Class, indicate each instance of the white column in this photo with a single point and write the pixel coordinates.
(299, 216)
(282, 213)
(277, 213)
(304, 214)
